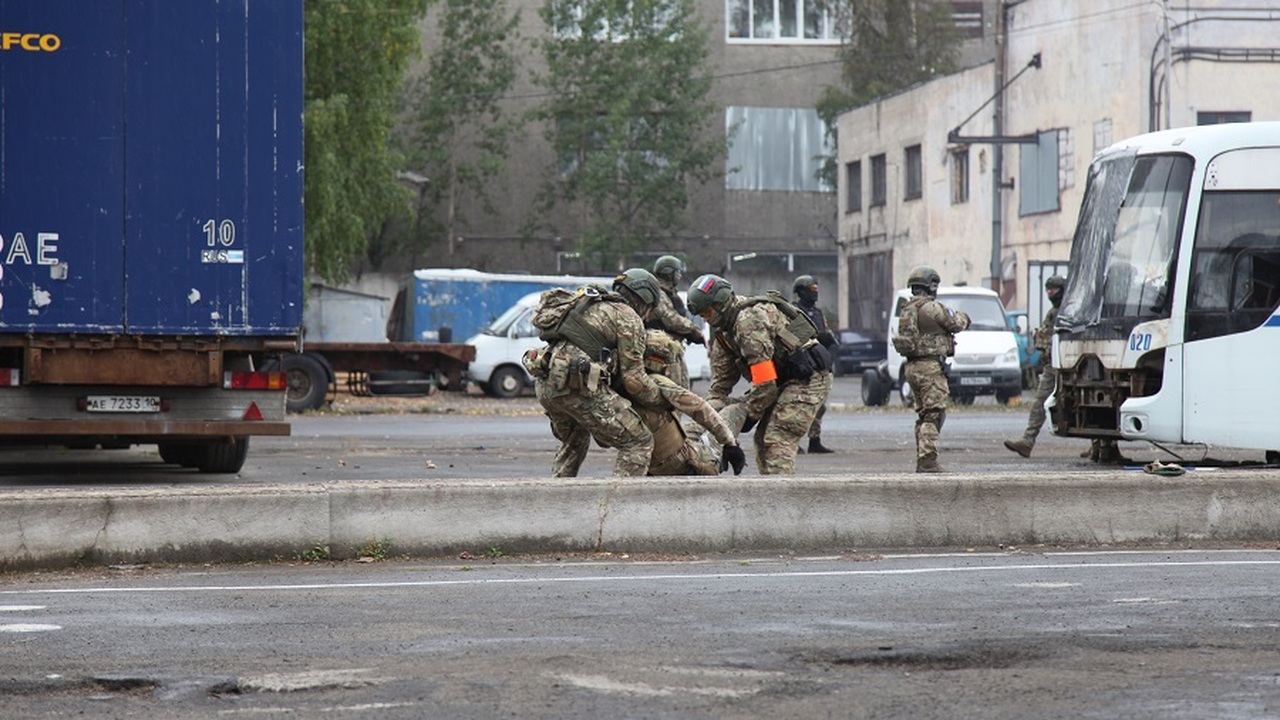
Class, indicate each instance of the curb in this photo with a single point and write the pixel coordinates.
(57, 528)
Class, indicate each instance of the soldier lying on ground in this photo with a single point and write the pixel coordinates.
(678, 450)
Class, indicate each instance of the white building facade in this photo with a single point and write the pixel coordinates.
(920, 169)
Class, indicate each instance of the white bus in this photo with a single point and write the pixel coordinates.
(1169, 329)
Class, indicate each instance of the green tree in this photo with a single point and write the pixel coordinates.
(462, 133)
(356, 55)
(626, 115)
(888, 45)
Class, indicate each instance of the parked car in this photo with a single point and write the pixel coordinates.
(497, 368)
(986, 358)
(858, 350)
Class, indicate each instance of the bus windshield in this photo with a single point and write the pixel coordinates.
(1126, 241)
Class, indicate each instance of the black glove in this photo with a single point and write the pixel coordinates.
(827, 340)
(696, 338)
(750, 423)
(732, 455)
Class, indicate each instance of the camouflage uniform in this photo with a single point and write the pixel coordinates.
(670, 316)
(749, 335)
(1048, 382)
(581, 397)
(679, 450)
(926, 374)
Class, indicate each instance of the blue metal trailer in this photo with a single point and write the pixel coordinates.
(151, 245)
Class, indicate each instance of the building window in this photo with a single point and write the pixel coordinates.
(1066, 159)
(781, 21)
(960, 176)
(1218, 118)
(853, 186)
(775, 149)
(620, 23)
(879, 186)
(1038, 175)
(968, 19)
(914, 183)
(1101, 135)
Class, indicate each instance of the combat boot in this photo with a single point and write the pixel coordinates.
(817, 448)
(1022, 447)
(928, 465)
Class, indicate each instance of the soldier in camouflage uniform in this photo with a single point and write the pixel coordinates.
(678, 450)
(769, 342)
(926, 336)
(670, 314)
(1043, 341)
(582, 389)
(805, 288)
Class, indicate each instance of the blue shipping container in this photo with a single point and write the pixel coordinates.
(466, 301)
(151, 180)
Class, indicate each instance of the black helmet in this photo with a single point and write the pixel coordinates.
(804, 281)
(639, 282)
(806, 290)
(924, 277)
(669, 268)
(1054, 287)
(709, 292)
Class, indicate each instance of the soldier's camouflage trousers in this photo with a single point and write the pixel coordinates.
(928, 381)
(578, 416)
(777, 435)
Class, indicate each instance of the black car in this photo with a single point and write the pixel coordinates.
(859, 350)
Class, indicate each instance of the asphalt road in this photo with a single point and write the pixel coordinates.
(465, 435)
(1168, 634)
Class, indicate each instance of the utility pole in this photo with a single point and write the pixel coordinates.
(1168, 71)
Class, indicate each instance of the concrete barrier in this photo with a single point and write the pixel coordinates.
(51, 528)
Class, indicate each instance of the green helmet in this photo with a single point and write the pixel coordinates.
(1055, 282)
(709, 291)
(803, 282)
(925, 277)
(639, 282)
(669, 268)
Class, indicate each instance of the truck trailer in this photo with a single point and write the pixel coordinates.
(151, 223)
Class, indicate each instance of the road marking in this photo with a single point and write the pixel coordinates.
(363, 707)
(606, 684)
(616, 579)
(20, 608)
(1046, 585)
(28, 628)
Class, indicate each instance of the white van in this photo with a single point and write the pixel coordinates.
(986, 360)
(499, 348)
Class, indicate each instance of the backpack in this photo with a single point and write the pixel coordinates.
(907, 340)
(559, 316)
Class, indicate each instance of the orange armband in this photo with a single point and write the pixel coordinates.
(763, 372)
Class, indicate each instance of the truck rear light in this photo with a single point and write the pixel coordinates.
(254, 381)
(10, 376)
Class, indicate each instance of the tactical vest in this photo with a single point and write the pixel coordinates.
(800, 328)
(564, 318)
(1043, 338)
(798, 333)
(918, 336)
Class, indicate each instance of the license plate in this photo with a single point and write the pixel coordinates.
(975, 381)
(123, 403)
